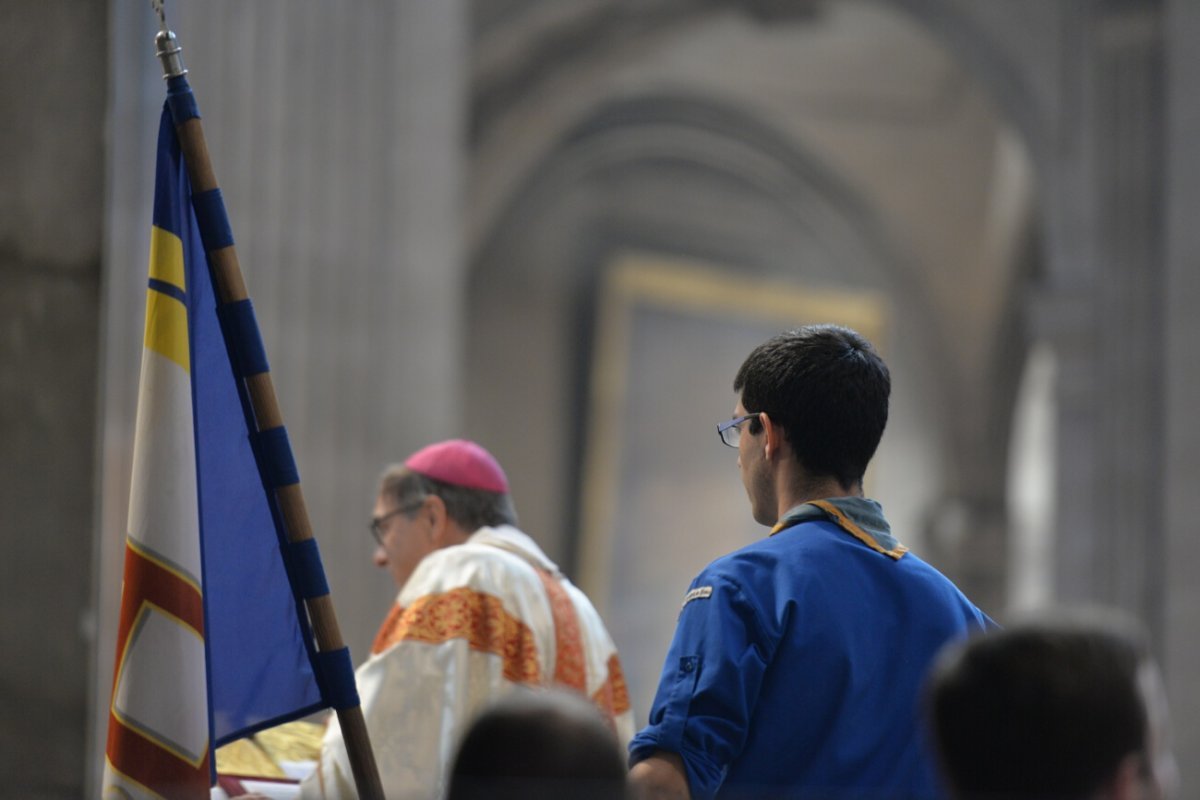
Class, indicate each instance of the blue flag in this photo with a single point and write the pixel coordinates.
(213, 641)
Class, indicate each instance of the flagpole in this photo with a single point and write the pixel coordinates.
(230, 287)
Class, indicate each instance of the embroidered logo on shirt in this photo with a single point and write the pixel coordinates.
(699, 593)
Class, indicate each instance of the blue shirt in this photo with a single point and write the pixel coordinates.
(797, 663)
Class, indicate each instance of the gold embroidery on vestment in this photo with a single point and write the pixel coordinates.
(481, 620)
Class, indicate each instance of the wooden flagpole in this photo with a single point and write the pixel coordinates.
(230, 287)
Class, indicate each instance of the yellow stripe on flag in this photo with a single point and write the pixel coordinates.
(166, 328)
(166, 257)
(166, 317)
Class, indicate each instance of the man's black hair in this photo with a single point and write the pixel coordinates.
(1043, 710)
(828, 389)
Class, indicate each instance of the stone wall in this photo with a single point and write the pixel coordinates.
(52, 92)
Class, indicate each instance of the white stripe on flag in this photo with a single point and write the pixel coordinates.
(163, 508)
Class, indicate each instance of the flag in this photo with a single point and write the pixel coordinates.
(213, 642)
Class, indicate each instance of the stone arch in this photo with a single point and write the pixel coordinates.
(977, 43)
(581, 186)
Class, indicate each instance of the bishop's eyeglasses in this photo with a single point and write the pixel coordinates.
(376, 524)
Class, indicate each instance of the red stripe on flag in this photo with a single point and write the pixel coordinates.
(132, 754)
(146, 581)
(159, 770)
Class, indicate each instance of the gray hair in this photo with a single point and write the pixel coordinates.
(471, 509)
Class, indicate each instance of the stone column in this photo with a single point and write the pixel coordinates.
(1181, 440)
(52, 90)
(1106, 297)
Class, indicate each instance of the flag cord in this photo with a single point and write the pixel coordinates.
(161, 10)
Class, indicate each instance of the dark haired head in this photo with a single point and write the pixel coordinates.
(1042, 710)
(828, 389)
(539, 744)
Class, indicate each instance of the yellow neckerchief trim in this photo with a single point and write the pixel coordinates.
(854, 530)
(857, 532)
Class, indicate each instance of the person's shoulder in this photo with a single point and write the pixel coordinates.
(914, 563)
(767, 551)
(470, 565)
(753, 571)
(948, 593)
(742, 567)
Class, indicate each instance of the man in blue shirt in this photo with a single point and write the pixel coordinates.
(797, 661)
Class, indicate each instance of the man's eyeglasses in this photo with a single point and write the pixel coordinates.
(731, 430)
(376, 525)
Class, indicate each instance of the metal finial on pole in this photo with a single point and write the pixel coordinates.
(170, 54)
(166, 45)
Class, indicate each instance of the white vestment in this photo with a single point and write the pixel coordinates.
(472, 622)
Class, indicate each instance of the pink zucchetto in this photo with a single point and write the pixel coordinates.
(461, 463)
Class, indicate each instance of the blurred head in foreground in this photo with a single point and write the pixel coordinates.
(1070, 708)
(537, 744)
